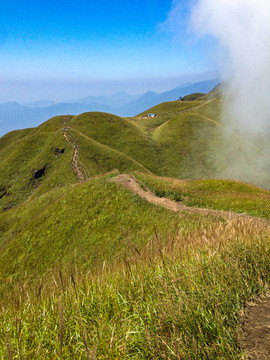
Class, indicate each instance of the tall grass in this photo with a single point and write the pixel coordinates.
(176, 298)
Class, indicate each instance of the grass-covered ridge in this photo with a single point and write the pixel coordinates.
(184, 141)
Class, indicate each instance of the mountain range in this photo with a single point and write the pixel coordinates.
(17, 116)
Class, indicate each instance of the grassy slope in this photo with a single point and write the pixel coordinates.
(187, 144)
(88, 218)
(177, 142)
(22, 157)
(99, 158)
(193, 142)
(13, 136)
(25, 151)
(117, 133)
(194, 96)
(186, 141)
(170, 108)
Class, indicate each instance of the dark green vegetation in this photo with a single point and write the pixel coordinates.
(93, 271)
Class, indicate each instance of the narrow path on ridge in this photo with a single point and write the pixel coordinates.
(138, 188)
(79, 168)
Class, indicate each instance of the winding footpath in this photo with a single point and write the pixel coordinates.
(138, 188)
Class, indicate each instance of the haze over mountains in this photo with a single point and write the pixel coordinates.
(17, 116)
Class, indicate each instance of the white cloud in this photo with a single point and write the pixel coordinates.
(242, 31)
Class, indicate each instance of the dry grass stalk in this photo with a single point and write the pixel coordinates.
(8, 348)
(39, 290)
(61, 324)
(61, 278)
(74, 285)
(148, 338)
(88, 352)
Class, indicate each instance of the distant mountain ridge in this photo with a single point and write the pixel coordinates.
(116, 100)
(151, 99)
(41, 103)
(17, 116)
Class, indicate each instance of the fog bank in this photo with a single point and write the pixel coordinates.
(242, 31)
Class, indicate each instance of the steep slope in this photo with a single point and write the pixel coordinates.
(35, 163)
(186, 140)
(188, 144)
(89, 222)
(194, 142)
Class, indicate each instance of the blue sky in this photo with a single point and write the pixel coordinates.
(66, 49)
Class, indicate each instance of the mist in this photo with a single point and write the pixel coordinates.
(241, 29)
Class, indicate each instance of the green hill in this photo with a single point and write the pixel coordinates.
(94, 271)
(184, 140)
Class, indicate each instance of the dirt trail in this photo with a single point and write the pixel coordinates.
(75, 158)
(138, 188)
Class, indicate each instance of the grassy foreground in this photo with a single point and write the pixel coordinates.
(175, 298)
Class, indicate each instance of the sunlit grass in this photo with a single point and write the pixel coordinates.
(175, 298)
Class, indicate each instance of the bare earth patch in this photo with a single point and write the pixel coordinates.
(256, 330)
